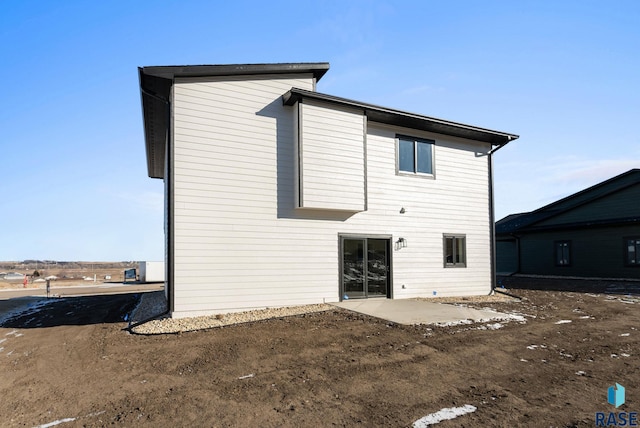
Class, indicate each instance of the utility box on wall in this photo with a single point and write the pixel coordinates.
(151, 272)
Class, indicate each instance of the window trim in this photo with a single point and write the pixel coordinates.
(415, 140)
(455, 237)
(556, 252)
(625, 250)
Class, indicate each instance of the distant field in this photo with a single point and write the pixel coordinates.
(68, 273)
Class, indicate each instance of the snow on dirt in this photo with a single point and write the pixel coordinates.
(58, 422)
(499, 317)
(443, 415)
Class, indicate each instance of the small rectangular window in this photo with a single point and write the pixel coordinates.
(415, 155)
(406, 156)
(632, 251)
(455, 251)
(563, 253)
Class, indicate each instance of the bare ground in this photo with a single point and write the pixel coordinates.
(333, 368)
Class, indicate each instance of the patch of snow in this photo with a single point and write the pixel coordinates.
(495, 326)
(625, 355)
(581, 373)
(2, 340)
(247, 376)
(506, 317)
(586, 317)
(58, 422)
(566, 355)
(532, 347)
(614, 355)
(625, 334)
(498, 317)
(523, 360)
(563, 322)
(454, 323)
(444, 415)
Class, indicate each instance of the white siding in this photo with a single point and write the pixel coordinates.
(240, 242)
(331, 158)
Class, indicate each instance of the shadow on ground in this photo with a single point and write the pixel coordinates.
(568, 284)
(84, 310)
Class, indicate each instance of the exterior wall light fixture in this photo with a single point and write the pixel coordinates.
(401, 243)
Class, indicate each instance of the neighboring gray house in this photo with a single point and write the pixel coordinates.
(592, 233)
(278, 195)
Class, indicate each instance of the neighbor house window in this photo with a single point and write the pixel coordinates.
(455, 251)
(632, 251)
(415, 156)
(563, 253)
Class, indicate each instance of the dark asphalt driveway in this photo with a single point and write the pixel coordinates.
(84, 310)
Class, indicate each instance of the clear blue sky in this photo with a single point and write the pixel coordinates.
(564, 75)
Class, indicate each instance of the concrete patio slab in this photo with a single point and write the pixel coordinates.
(412, 311)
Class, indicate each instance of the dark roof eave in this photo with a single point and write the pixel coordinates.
(576, 225)
(318, 69)
(154, 93)
(401, 118)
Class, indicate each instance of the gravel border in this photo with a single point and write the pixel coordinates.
(150, 316)
(151, 305)
(154, 304)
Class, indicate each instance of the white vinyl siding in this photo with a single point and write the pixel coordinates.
(331, 169)
(456, 202)
(240, 242)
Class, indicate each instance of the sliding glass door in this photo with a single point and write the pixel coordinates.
(365, 267)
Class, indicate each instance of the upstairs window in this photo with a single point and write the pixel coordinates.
(415, 156)
(563, 253)
(632, 251)
(455, 251)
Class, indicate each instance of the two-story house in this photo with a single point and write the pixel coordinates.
(278, 195)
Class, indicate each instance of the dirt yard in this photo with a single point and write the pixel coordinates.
(72, 363)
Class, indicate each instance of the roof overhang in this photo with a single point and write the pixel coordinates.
(155, 90)
(405, 119)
